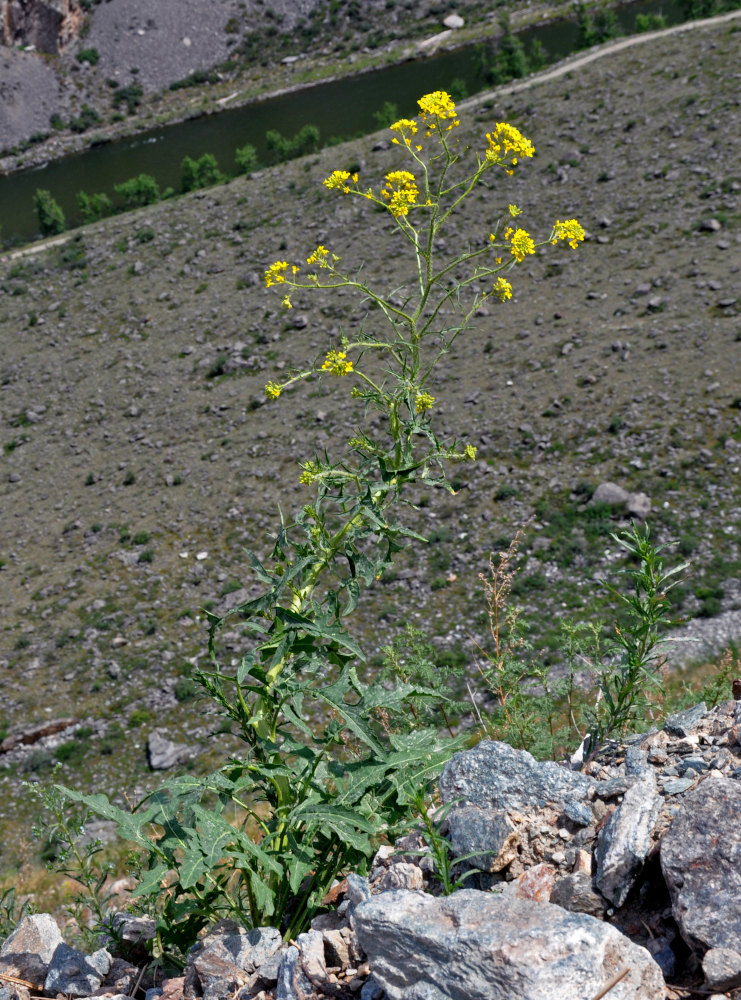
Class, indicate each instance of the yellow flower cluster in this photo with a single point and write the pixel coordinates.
(570, 230)
(507, 143)
(470, 453)
(309, 474)
(407, 128)
(272, 390)
(276, 273)
(286, 303)
(338, 179)
(400, 191)
(336, 364)
(320, 257)
(423, 401)
(438, 104)
(521, 243)
(514, 211)
(502, 289)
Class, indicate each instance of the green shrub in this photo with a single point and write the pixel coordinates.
(138, 191)
(88, 56)
(94, 206)
(130, 95)
(49, 213)
(200, 173)
(281, 148)
(246, 159)
(87, 118)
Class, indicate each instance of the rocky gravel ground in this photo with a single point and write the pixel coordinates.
(139, 456)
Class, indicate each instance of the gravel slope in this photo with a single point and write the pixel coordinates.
(133, 358)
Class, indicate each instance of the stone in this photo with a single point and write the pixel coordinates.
(700, 861)
(488, 831)
(163, 753)
(610, 493)
(663, 954)
(131, 929)
(682, 723)
(722, 968)
(76, 974)
(32, 734)
(575, 892)
(536, 883)
(493, 775)
(482, 946)
(453, 21)
(27, 952)
(625, 840)
(13, 991)
(293, 983)
(402, 876)
(638, 505)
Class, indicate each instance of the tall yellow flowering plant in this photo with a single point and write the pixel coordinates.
(317, 795)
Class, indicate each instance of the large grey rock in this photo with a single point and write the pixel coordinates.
(163, 753)
(299, 966)
(76, 974)
(625, 840)
(480, 946)
(27, 952)
(701, 862)
(493, 775)
(228, 957)
(683, 723)
(610, 493)
(486, 830)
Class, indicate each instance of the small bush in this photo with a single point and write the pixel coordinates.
(90, 56)
(49, 213)
(94, 206)
(86, 119)
(131, 96)
(200, 173)
(246, 159)
(139, 191)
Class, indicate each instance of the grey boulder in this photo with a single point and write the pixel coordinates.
(701, 862)
(27, 952)
(494, 775)
(76, 974)
(483, 946)
(625, 840)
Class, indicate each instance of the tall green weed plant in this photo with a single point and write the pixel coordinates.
(328, 769)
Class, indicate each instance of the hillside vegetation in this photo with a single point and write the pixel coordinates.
(140, 456)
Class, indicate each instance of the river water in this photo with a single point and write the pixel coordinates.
(341, 108)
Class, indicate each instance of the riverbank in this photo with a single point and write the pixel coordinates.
(246, 86)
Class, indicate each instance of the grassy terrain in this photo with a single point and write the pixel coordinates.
(139, 456)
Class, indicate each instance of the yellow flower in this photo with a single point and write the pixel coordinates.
(272, 390)
(336, 364)
(275, 274)
(470, 453)
(338, 180)
(406, 128)
(320, 257)
(438, 104)
(309, 474)
(570, 230)
(507, 142)
(400, 191)
(286, 303)
(502, 289)
(514, 211)
(423, 401)
(521, 244)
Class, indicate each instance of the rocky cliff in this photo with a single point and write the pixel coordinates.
(47, 25)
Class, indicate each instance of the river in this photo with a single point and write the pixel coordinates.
(339, 108)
